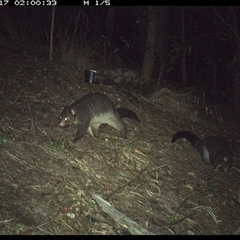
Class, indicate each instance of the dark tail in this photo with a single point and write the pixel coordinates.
(126, 112)
(191, 137)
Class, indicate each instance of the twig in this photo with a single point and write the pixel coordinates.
(30, 113)
(13, 102)
(158, 106)
(123, 186)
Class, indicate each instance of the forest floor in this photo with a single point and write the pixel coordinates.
(47, 182)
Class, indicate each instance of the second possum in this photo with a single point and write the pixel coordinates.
(93, 110)
(213, 150)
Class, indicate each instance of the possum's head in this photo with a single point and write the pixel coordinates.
(68, 116)
(224, 163)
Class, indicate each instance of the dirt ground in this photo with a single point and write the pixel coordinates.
(47, 181)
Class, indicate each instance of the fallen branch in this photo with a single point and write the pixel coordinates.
(122, 219)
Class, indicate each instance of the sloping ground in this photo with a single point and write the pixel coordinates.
(47, 181)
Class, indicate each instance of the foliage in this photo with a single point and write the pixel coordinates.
(176, 51)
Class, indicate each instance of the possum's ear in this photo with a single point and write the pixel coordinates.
(225, 159)
(73, 110)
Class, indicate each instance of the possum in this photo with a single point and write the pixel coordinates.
(91, 111)
(212, 149)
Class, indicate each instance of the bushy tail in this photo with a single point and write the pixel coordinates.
(126, 112)
(191, 137)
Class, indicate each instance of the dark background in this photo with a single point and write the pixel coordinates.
(211, 47)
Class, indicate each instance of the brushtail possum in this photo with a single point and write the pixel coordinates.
(212, 149)
(93, 110)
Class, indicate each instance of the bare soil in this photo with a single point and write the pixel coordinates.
(47, 181)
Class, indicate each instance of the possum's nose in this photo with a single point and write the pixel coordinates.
(62, 123)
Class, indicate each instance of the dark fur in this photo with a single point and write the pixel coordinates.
(212, 149)
(93, 110)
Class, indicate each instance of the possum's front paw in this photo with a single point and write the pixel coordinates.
(75, 140)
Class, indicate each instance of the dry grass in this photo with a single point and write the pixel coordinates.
(47, 182)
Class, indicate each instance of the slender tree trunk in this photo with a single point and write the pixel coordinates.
(149, 57)
(51, 35)
(162, 42)
(109, 30)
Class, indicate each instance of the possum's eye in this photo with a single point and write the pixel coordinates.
(217, 166)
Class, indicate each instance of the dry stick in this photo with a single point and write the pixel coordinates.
(13, 102)
(131, 181)
(30, 113)
(29, 110)
(123, 186)
(158, 106)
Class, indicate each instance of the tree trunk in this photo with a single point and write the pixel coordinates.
(162, 42)
(109, 30)
(51, 35)
(149, 56)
